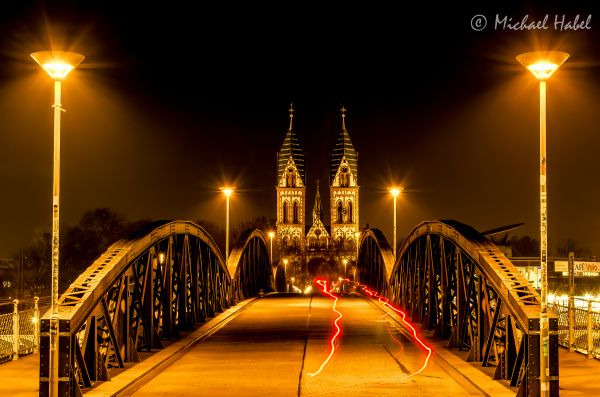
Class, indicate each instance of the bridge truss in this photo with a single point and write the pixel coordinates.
(459, 285)
(143, 290)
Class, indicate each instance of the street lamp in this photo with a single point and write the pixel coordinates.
(227, 191)
(395, 191)
(543, 64)
(271, 235)
(285, 262)
(345, 261)
(57, 64)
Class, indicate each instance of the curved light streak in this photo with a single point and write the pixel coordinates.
(386, 302)
(323, 284)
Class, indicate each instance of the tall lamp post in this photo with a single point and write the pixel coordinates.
(227, 191)
(58, 64)
(345, 266)
(395, 191)
(357, 235)
(543, 64)
(271, 235)
(285, 262)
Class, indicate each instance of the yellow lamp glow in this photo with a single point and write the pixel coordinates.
(542, 63)
(395, 191)
(58, 64)
(227, 190)
(271, 234)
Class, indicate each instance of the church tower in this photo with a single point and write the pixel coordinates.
(291, 191)
(343, 173)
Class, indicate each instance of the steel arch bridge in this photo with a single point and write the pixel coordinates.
(455, 282)
(162, 280)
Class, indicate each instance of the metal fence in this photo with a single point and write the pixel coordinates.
(579, 328)
(19, 328)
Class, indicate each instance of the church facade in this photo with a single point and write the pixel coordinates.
(312, 244)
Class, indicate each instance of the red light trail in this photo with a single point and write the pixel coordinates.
(386, 302)
(323, 284)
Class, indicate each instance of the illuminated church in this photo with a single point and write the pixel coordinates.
(307, 239)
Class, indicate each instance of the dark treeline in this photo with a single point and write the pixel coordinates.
(81, 245)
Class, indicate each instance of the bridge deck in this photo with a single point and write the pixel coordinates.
(261, 351)
(273, 346)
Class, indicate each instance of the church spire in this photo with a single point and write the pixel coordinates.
(290, 148)
(317, 209)
(343, 149)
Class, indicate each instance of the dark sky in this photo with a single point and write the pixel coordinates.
(173, 101)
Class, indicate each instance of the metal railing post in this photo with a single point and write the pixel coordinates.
(36, 325)
(15, 329)
(590, 339)
(571, 318)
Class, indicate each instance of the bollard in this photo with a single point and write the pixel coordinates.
(590, 339)
(36, 325)
(15, 329)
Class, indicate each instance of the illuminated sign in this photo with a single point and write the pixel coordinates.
(578, 266)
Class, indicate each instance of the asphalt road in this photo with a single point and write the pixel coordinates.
(275, 344)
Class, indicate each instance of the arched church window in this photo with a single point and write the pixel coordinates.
(344, 177)
(340, 213)
(350, 212)
(285, 212)
(295, 209)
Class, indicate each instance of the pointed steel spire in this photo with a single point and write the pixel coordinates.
(317, 208)
(343, 148)
(290, 147)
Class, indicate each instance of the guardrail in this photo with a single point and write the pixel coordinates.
(20, 327)
(579, 328)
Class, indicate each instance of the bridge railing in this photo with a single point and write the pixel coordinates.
(582, 333)
(19, 327)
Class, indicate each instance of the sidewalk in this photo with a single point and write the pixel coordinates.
(578, 375)
(20, 378)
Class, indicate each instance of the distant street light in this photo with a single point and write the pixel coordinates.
(543, 64)
(345, 261)
(271, 235)
(285, 262)
(395, 191)
(227, 191)
(57, 64)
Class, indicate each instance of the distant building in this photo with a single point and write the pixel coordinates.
(318, 247)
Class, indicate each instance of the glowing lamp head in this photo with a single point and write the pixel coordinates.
(271, 235)
(357, 235)
(58, 64)
(542, 64)
(395, 191)
(227, 190)
(345, 261)
(285, 261)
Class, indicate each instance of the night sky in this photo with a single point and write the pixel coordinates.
(173, 101)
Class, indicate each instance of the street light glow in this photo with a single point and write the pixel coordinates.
(227, 190)
(395, 191)
(271, 234)
(58, 64)
(542, 63)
